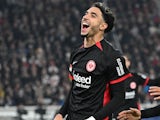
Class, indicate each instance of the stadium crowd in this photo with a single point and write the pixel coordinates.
(36, 38)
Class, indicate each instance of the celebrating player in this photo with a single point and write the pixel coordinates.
(97, 70)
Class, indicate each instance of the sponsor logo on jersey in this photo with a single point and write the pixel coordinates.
(83, 82)
(119, 68)
(130, 95)
(90, 66)
(133, 85)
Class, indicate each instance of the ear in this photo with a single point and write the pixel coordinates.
(103, 26)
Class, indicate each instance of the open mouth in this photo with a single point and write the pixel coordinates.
(85, 25)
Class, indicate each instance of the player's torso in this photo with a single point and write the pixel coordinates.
(87, 66)
(89, 70)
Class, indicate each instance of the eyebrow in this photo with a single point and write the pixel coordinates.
(93, 13)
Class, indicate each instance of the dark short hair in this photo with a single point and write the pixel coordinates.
(107, 15)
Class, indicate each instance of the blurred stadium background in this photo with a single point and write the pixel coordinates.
(37, 36)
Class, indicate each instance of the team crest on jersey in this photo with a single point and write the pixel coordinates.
(133, 85)
(90, 66)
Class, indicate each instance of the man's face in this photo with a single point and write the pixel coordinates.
(91, 21)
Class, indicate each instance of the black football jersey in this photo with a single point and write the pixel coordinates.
(98, 74)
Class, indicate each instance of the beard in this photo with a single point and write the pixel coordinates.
(91, 32)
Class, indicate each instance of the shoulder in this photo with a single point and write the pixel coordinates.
(109, 50)
(141, 75)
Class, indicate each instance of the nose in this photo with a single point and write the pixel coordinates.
(85, 17)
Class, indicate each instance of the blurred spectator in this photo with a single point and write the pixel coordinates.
(36, 38)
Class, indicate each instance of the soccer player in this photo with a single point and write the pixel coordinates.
(135, 114)
(132, 83)
(97, 71)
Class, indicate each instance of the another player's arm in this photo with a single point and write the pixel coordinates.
(151, 112)
(154, 82)
(144, 80)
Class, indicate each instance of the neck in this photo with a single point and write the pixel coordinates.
(90, 41)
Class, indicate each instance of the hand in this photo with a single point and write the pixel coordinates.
(58, 117)
(132, 114)
(155, 91)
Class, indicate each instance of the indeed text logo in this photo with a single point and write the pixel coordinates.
(83, 82)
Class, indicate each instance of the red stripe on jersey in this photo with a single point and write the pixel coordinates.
(106, 98)
(107, 118)
(70, 76)
(146, 82)
(98, 44)
(121, 79)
